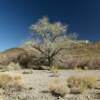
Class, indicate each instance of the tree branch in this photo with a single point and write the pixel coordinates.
(37, 48)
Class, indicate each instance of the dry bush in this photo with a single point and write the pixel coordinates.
(58, 87)
(82, 62)
(73, 62)
(77, 69)
(10, 79)
(76, 84)
(54, 69)
(94, 63)
(13, 66)
(69, 63)
(57, 67)
(10, 66)
(80, 84)
(91, 81)
(87, 62)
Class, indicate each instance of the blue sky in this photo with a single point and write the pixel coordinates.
(16, 16)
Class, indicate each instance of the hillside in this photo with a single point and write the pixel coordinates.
(79, 54)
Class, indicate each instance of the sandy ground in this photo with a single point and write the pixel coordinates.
(36, 83)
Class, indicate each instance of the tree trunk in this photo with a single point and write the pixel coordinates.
(49, 61)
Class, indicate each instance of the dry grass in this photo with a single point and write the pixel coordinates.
(76, 84)
(91, 81)
(11, 79)
(58, 87)
(54, 69)
(13, 66)
(10, 66)
(79, 84)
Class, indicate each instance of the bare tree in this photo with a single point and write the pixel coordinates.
(49, 39)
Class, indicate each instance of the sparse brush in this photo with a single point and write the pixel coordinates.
(58, 87)
(13, 66)
(91, 81)
(76, 84)
(54, 69)
(10, 79)
(10, 66)
(78, 69)
(79, 84)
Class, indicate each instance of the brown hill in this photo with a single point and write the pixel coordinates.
(80, 54)
(12, 55)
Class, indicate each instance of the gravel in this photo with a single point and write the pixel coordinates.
(36, 86)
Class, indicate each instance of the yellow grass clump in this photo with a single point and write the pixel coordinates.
(58, 87)
(79, 84)
(11, 79)
(91, 81)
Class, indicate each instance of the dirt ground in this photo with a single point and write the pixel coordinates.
(36, 86)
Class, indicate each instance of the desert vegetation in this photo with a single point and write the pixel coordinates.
(73, 85)
(58, 87)
(53, 65)
(50, 40)
(11, 79)
(51, 44)
(79, 84)
(41, 85)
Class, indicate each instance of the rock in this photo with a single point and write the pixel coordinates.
(45, 67)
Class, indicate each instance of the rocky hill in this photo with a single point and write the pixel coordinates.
(12, 55)
(79, 54)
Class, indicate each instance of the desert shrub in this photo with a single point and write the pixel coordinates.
(80, 84)
(71, 63)
(91, 81)
(10, 79)
(78, 68)
(94, 63)
(76, 84)
(2, 66)
(75, 61)
(54, 69)
(82, 62)
(13, 66)
(58, 87)
(58, 67)
(10, 66)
